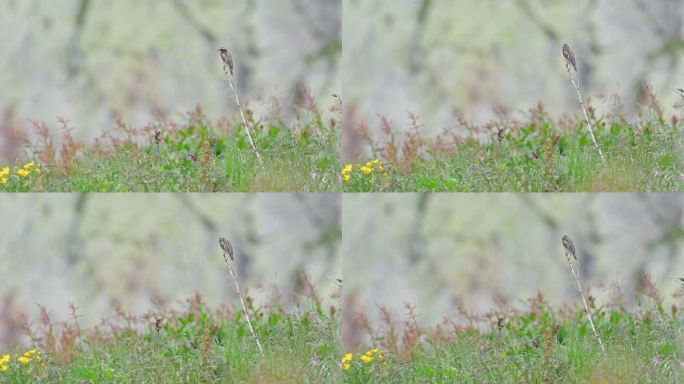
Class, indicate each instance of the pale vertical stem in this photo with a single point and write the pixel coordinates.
(586, 305)
(244, 308)
(244, 121)
(575, 84)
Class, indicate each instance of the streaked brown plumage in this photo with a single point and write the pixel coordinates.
(569, 246)
(569, 56)
(227, 59)
(227, 247)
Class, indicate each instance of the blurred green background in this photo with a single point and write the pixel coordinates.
(90, 60)
(95, 249)
(432, 250)
(440, 58)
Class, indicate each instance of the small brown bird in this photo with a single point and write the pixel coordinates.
(227, 247)
(227, 59)
(569, 56)
(569, 246)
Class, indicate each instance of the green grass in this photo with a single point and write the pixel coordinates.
(535, 156)
(301, 157)
(195, 345)
(529, 343)
(538, 345)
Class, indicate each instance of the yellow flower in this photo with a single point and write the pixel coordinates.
(3, 180)
(4, 359)
(24, 360)
(37, 171)
(345, 360)
(366, 169)
(23, 172)
(28, 166)
(367, 358)
(5, 171)
(346, 172)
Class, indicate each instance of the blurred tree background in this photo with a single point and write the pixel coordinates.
(433, 250)
(441, 58)
(94, 250)
(90, 60)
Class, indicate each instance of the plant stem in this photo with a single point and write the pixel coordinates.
(244, 308)
(584, 301)
(575, 83)
(244, 121)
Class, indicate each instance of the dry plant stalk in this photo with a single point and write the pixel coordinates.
(571, 66)
(229, 258)
(230, 75)
(570, 250)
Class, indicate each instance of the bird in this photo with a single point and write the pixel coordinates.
(569, 56)
(227, 247)
(569, 246)
(227, 59)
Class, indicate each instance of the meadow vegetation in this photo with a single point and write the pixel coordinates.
(190, 343)
(531, 342)
(195, 155)
(537, 153)
(527, 341)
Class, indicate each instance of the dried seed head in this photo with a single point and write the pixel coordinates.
(569, 246)
(158, 324)
(157, 137)
(227, 248)
(569, 57)
(227, 59)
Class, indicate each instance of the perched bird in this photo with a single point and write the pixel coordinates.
(227, 59)
(569, 56)
(569, 246)
(227, 247)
